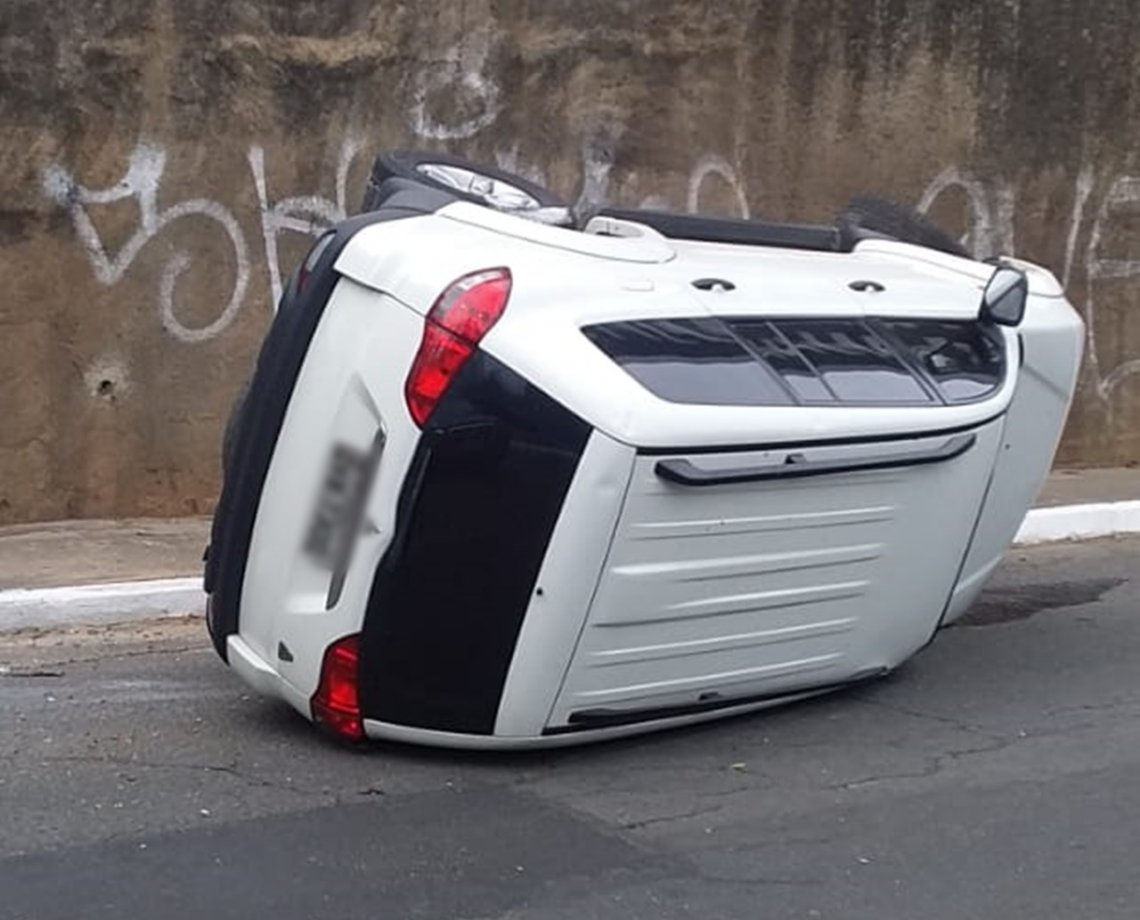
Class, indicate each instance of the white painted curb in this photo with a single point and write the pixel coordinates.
(22, 608)
(1079, 522)
(40, 608)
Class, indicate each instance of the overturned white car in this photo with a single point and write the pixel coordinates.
(509, 475)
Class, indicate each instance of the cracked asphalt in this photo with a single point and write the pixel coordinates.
(997, 775)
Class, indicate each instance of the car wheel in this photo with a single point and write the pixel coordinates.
(888, 218)
(473, 182)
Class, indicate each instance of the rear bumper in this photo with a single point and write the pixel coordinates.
(262, 677)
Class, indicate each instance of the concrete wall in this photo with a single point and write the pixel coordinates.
(162, 162)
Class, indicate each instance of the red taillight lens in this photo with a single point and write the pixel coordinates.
(336, 705)
(456, 323)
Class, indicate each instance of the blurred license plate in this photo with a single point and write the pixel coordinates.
(339, 505)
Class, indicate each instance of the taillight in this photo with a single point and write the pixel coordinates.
(456, 323)
(336, 704)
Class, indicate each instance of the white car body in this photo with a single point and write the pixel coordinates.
(655, 602)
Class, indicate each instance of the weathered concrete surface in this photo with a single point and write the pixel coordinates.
(160, 163)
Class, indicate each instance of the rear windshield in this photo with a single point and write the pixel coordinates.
(758, 362)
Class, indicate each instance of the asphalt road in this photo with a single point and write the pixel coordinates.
(996, 776)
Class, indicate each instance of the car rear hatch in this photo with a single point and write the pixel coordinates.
(736, 575)
(817, 547)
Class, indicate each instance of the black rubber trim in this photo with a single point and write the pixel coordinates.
(271, 387)
(474, 519)
(685, 473)
(819, 442)
(587, 719)
(896, 221)
(733, 230)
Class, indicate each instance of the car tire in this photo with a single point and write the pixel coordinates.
(430, 170)
(867, 215)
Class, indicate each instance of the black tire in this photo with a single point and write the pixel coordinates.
(408, 165)
(888, 218)
(229, 435)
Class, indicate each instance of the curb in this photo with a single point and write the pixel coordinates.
(1078, 522)
(40, 608)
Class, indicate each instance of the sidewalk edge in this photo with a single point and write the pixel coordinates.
(117, 602)
(73, 605)
(1079, 522)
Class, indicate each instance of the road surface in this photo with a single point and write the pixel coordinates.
(997, 775)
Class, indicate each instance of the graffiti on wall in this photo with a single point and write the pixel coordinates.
(991, 204)
(141, 182)
(992, 214)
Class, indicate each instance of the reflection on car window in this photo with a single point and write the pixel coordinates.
(777, 352)
(965, 359)
(689, 361)
(779, 362)
(854, 362)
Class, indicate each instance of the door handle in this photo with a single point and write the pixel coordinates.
(686, 473)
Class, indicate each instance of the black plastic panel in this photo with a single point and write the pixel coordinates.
(689, 361)
(966, 360)
(685, 472)
(474, 520)
(587, 719)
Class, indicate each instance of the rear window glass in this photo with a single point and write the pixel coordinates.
(689, 361)
(779, 362)
(855, 363)
(965, 360)
(777, 352)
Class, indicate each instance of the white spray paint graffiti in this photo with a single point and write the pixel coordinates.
(141, 182)
(714, 165)
(597, 164)
(1080, 199)
(462, 68)
(991, 211)
(1122, 195)
(309, 214)
(993, 205)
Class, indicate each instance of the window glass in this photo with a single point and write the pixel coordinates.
(779, 355)
(689, 361)
(856, 364)
(965, 359)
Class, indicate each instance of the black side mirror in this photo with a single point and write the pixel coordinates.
(1003, 301)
